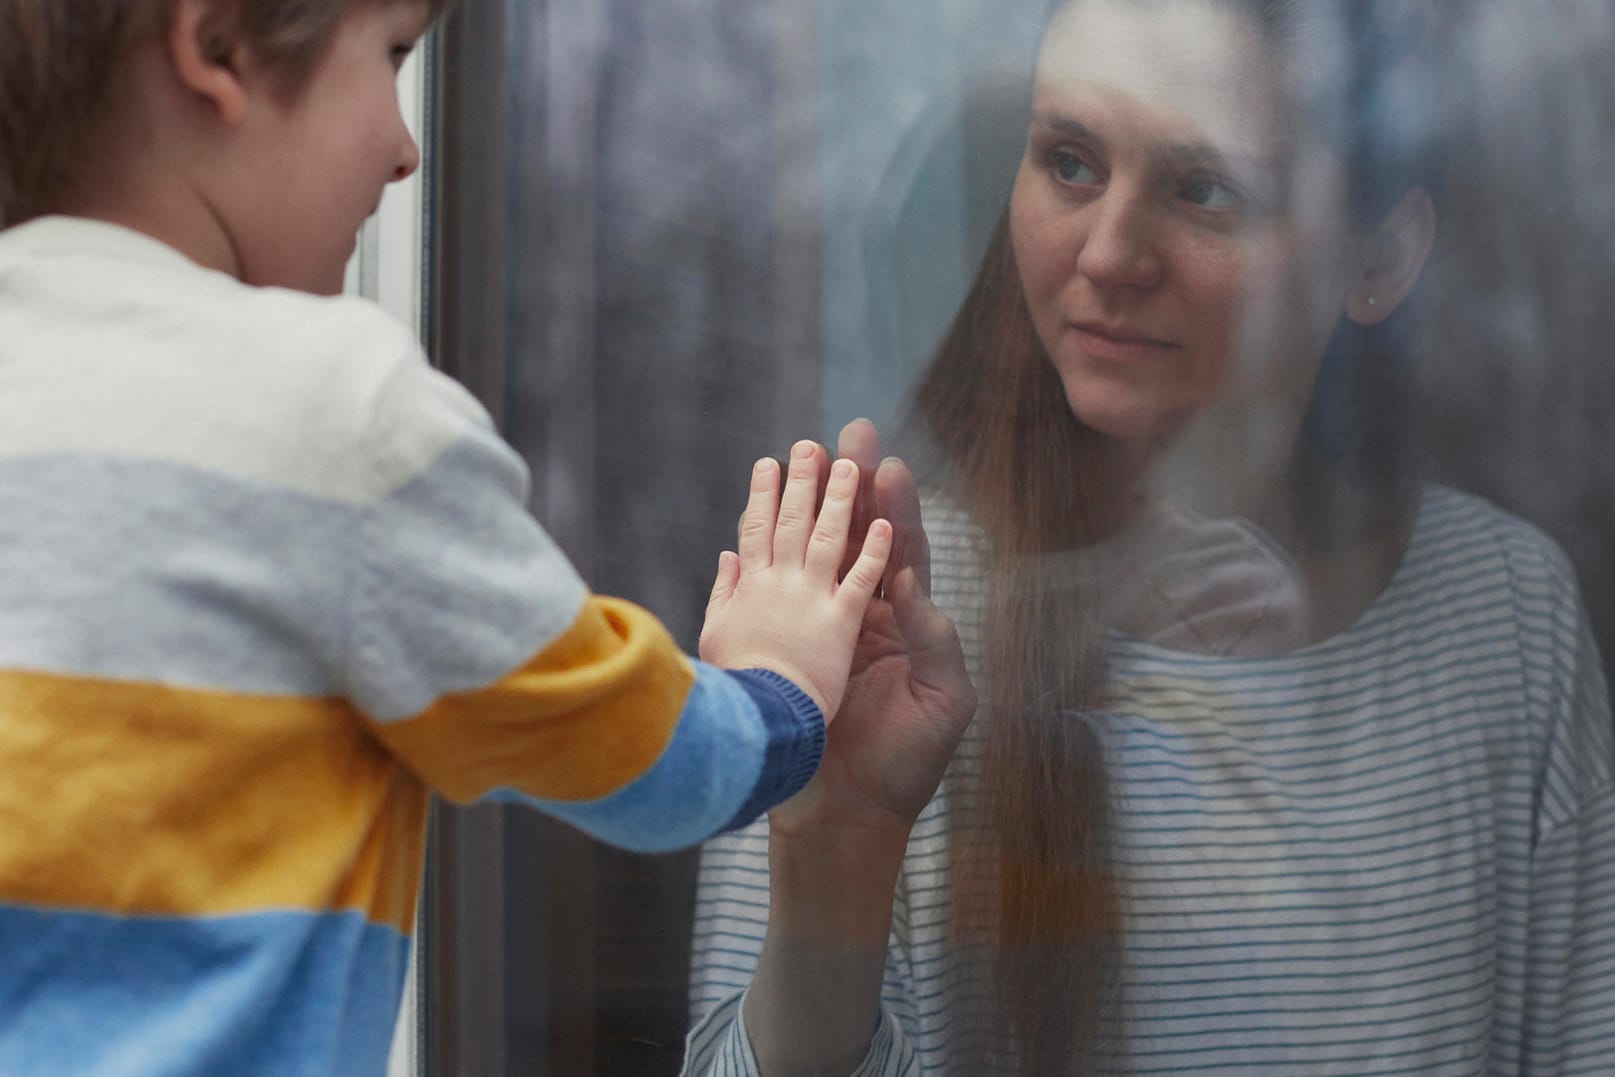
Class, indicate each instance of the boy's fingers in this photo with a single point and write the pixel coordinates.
(723, 585)
(796, 504)
(859, 585)
(829, 542)
(756, 539)
(821, 461)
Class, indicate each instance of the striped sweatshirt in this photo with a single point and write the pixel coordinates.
(1392, 852)
(267, 581)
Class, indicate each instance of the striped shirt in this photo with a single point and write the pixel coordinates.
(266, 581)
(1392, 852)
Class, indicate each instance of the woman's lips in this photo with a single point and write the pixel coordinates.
(1118, 345)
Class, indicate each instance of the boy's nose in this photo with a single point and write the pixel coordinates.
(409, 160)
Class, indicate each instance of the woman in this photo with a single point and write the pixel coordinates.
(1285, 764)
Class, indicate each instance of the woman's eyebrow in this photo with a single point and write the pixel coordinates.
(1067, 126)
(1179, 153)
(1209, 154)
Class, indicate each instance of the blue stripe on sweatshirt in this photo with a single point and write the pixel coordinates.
(83, 993)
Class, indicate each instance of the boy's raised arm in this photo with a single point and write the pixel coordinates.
(483, 662)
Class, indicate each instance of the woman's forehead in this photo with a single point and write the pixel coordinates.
(1197, 70)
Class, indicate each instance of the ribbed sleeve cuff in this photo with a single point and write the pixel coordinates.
(795, 730)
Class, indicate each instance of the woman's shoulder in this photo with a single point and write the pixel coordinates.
(1457, 529)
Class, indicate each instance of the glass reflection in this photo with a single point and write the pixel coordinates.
(1234, 722)
(1286, 757)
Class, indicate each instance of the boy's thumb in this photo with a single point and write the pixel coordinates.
(724, 585)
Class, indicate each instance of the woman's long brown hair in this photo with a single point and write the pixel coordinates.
(1033, 885)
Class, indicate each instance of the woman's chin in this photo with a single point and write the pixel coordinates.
(1130, 420)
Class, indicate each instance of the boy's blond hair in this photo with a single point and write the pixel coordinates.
(60, 61)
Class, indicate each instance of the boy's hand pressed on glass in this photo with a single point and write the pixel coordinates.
(782, 603)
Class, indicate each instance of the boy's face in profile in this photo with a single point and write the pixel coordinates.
(316, 162)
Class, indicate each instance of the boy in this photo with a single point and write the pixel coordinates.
(268, 579)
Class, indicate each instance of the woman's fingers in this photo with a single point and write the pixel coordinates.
(756, 537)
(860, 443)
(898, 500)
(935, 654)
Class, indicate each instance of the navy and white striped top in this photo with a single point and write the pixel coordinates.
(1392, 852)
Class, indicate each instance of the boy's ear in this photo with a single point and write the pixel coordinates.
(207, 59)
(1391, 258)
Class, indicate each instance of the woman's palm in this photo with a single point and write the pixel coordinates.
(908, 702)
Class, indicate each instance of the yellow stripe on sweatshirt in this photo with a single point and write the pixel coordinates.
(585, 716)
(141, 799)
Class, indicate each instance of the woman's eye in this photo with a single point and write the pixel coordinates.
(1067, 167)
(400, 53)
(1210, 192)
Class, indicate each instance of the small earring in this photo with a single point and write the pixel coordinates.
(1372, 301)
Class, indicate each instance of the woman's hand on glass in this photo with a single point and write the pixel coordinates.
(908, 697)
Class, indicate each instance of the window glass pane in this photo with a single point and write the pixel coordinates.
(1251, 363)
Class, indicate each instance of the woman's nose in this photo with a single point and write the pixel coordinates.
(1120, 249)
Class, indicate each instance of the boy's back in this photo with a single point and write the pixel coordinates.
(230, 515)
(190, 472)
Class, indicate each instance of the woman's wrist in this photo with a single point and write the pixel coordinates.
(814, 1001)
(833, 886)
(817, 819)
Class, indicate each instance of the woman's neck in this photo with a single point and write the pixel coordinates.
(1347, 538)
(1253, 560)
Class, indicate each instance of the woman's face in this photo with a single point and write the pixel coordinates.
(1180, 250)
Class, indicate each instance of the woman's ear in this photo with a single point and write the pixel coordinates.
(207, 59)
(1391, 258)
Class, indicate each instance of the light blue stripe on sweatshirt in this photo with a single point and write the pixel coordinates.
(459, 584)
(203, 581)
(281, 994)
(701, 779)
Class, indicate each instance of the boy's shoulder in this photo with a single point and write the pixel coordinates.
(92, 276)
(327, 394)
